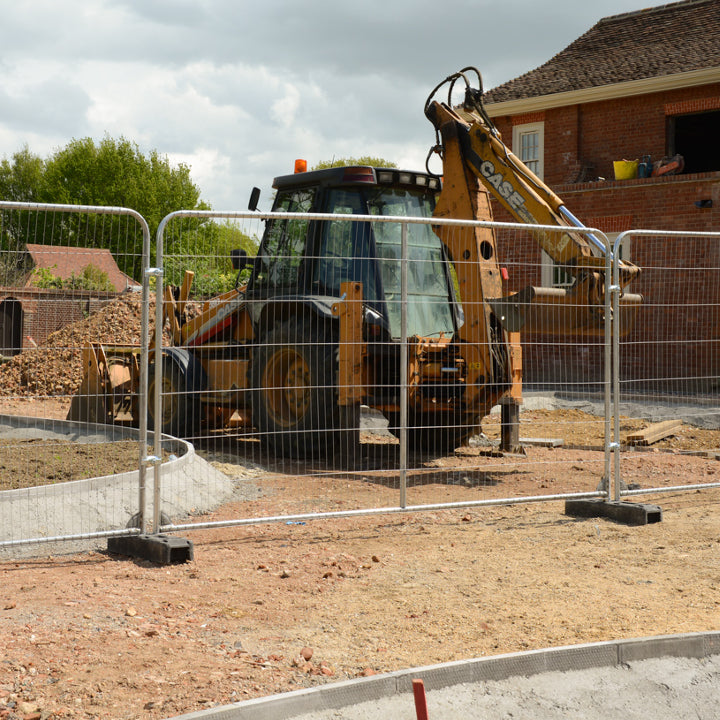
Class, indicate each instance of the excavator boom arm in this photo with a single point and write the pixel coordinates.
(515, 186)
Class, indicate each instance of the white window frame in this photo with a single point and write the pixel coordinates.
(547, 273)
(547, 268)
(538, 129)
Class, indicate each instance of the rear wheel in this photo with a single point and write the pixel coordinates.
(434, 433)
(294, 399)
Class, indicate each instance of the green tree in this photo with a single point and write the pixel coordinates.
(116, 173)
(20, 181)
(89, 278)
(21, 177)
(206, 250)
(364, 160)
(46, 279)
(112, 172)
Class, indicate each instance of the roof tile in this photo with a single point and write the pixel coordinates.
(66, 261)
(654, 42)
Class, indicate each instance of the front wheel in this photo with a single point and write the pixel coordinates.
(294, 374)
(180, 405)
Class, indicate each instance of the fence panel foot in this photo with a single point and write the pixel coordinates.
(627, 513)
(160, 549)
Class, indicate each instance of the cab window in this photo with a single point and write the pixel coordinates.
(281, 256)
(345, 247)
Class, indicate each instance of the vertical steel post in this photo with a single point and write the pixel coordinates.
(154, 459)
(142, 396)
(403, 364)
(607, 377)
(616, 361)
(142, 399)
(157, 398)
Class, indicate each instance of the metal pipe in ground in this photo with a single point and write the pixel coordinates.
(420, 699)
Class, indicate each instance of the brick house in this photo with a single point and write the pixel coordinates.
(29, 314)
(637, 85)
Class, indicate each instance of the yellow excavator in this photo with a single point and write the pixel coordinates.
(317, 330)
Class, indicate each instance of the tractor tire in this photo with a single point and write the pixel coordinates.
(434, 435)
(294, 378)
(180, 406)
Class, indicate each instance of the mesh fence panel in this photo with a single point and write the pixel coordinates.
(667, 364)
(69, 276)
(331, 376)
(352, 364)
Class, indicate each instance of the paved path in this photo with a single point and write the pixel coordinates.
(661, 678)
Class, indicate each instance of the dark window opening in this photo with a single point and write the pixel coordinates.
(694, 137)
(11, 327)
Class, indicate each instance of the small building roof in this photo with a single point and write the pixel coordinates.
(665, 40)
(66, 261)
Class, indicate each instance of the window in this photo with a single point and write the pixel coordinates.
(555, 275)
(429, 311)
(345, 250)
(624, 246)
(695, 138)
(528, 145)
(283, 247)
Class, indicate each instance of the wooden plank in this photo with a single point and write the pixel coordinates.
(542, 442)
(655, 432)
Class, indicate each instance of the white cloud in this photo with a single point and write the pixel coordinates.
(285, 108)
(239, 90)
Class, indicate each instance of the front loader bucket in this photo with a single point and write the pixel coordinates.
(560, 310)
(90, 403)
(107, 385)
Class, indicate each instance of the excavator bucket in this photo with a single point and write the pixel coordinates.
(107, 387)
(536, 310)
(90, 403)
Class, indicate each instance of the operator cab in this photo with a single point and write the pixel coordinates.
(311, 258)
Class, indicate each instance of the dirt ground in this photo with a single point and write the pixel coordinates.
(273, 608)
(23, 465)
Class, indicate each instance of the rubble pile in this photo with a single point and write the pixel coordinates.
(55, 368)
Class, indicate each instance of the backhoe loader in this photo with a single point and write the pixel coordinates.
(316, 331)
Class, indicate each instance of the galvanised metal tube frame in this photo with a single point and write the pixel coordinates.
(143, 460)
(620, 489)
(45, 539)
(403, 363)
(604, 489)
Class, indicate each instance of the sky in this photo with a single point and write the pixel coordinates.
(238, 90)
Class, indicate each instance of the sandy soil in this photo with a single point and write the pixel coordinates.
(272, 608)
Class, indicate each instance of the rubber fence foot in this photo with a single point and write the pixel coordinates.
(621, 511)
(160, 549)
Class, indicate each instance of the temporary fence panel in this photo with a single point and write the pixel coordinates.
(356, 327)
(69, 276)
(564, 431)
(667, 369)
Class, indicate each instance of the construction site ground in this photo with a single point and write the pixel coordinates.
(276, 607)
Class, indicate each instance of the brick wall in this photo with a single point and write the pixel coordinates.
(596, 134)
(675, 343)
(45, 311)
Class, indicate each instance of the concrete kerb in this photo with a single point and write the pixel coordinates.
(99, 504)
(588, 657)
